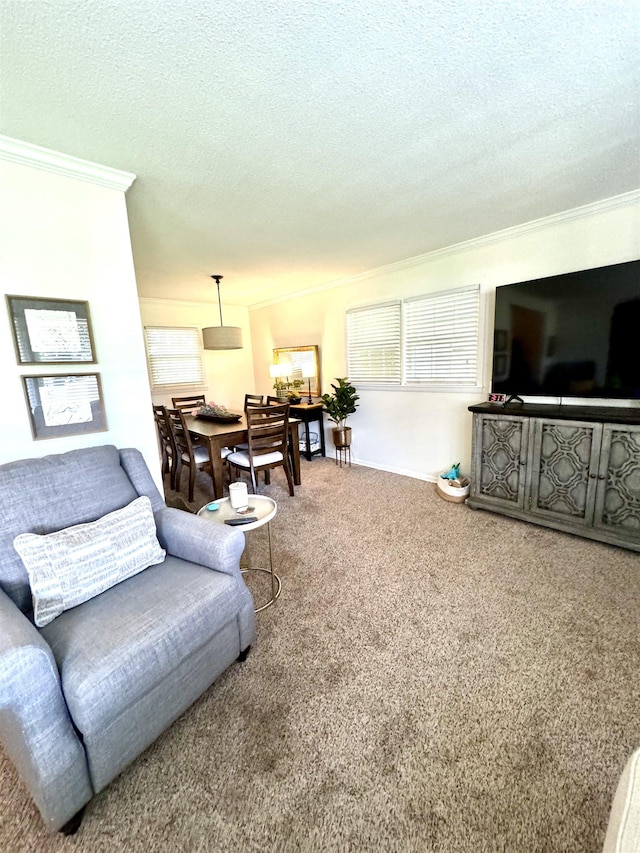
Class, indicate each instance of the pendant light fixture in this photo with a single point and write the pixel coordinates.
(221, 337)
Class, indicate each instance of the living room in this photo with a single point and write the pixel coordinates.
(77, 230)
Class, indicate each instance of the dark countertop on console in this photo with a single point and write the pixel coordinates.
(601, 414)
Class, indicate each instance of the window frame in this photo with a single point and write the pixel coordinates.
(195, 334)
(422, 385)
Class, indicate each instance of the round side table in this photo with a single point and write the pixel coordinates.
(264, 509)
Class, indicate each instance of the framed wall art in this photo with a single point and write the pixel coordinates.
(51, 331)
(65, 404)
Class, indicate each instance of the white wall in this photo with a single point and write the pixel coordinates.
(229, 373)
(69, 238)
(420, 433)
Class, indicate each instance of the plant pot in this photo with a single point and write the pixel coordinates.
(282, 395)
(341, 436)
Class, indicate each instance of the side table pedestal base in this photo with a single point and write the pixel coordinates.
(276, 587)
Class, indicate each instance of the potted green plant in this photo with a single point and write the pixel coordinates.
(338, 406)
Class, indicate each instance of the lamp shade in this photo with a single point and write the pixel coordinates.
(222, 337)
(308, 371)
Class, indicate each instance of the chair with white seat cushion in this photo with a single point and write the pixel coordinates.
(167, 444)
(195, 456)
(249, 400)
(188, 404)
(267, 436)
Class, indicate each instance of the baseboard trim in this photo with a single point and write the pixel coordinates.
(405, 472)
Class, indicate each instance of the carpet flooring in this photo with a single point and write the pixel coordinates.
(432, 678)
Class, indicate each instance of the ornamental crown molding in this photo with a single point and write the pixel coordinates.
(627, 199)
(27, 154)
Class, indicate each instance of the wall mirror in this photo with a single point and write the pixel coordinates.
(303, 359)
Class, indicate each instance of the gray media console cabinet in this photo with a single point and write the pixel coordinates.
(573, 468)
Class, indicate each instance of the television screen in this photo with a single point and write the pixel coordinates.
(572, 335)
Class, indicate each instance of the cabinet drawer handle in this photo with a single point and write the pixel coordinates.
(601, 477)
(592, 476)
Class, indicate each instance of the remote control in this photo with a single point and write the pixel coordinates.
(245, 520)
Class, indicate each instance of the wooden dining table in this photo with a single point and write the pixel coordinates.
(219, 435)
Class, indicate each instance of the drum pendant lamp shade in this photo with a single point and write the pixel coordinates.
(221, 337)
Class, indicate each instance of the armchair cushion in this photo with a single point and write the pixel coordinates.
(74, 565)
(148, 625)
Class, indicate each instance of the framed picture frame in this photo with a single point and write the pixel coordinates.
(303, 360)
(64, 404)
(51, 331)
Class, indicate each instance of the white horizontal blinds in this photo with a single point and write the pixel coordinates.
(441, 338)
(175, 356)
(374, 344)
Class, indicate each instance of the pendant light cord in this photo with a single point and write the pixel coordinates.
(217, 278)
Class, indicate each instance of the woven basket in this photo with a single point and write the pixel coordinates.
(455, 491)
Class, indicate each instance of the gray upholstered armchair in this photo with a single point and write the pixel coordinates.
(92, 684)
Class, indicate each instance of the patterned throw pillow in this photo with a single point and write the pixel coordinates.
(75, 564)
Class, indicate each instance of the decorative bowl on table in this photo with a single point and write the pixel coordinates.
(219, 414)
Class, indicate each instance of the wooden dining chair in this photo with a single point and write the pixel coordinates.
(167, 442)
(187, 404)
(195, 456)
(250, 400)
(277, 401)
(253, 400)
(267, 431)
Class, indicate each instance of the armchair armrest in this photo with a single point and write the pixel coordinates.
(36, 731)
(197, 540)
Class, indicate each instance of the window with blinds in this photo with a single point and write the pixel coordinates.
(174, 356)
(373, 343)
(429, 340)
(441, 338)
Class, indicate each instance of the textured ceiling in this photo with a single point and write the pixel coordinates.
(289, 143)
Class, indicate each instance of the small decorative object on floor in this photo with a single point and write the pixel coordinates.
(451, 486)
(453, 473)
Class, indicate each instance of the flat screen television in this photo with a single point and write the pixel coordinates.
(571, 335)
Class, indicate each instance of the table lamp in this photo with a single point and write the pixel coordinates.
(308, 372)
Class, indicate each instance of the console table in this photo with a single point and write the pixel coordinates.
(309, 413)
(573, 468)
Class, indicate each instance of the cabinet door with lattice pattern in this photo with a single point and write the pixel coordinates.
(500, 457)
(564, 467)
(618, 496)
